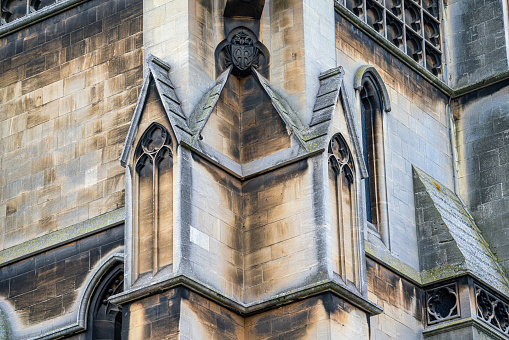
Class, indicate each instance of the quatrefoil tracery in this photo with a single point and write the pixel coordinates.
(154, 145)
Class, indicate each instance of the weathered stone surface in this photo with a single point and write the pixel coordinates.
(402, 302)
(69, 100)
(449, 237)
(477, 43)
(48, 287)
(482, 125)
(183, 314)
(248, 218)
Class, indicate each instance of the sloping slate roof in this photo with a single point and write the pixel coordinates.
(158, 71)
(204, 108)
(331, 93)
(326, 100)
(284, 110)
(478, 258)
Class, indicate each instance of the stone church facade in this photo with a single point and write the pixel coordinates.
(254, 169)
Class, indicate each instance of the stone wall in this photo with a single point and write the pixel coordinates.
(482, 126)
(281, 250)
(67, 91)
(181, 314)
(212, 245)
(45, 289)
(476, 44)
(415, 130)
(402, 303)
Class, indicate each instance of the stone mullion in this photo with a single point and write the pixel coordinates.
(341, 223)
(355, 230)
(155, 216)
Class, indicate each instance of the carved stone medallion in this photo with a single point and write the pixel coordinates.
(242, 53)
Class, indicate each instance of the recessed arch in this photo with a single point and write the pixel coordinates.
(373, 103)
(370, 70)
(152, 215)
(344, 217)
(92, 283)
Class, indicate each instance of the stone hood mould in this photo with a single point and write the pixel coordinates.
(450, 243)
(157, 72)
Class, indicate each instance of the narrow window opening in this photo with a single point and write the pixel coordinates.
(371, 105)
(154, 201)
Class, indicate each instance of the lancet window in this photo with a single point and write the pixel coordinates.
(154, 200)
(342, 192)
(373, 153)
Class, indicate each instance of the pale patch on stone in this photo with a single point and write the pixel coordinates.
(199, 238)
(90, 177)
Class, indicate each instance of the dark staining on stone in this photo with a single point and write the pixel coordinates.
(394, 289)
(275, 177)
(44, 286)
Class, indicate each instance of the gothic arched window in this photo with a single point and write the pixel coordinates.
(104, 318)
(153, 205)
(373, 152)
(342, 192)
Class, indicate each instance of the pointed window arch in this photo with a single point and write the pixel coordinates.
(374, 100)
(105, 319)
(153, 189)
(342, 192)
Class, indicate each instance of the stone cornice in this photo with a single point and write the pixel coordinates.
(37, 16)
(62, 236)
(250, 308)
(459, 324)
(445, 88)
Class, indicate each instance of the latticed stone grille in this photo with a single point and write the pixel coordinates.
(492, 309)
(15, 9)
(412, 26)
(442, 303)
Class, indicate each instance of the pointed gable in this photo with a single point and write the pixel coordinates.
(157, 80)
(331, 93)
(244, 119)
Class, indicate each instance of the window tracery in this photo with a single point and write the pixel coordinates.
(492, 309)
(154, 189)
(11, 10)
(413, 26)
(342, 191)
(105, 318)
